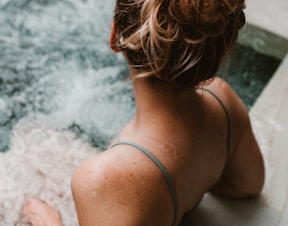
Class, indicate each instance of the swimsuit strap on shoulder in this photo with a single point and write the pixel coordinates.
(163, 170)
(227, 118)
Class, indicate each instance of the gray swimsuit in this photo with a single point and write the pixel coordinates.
(163, 169)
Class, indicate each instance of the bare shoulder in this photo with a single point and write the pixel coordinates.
(230, 99)
(244, 172)
(238, 113)
(120, 187)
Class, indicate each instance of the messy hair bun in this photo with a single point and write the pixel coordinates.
(177, 40)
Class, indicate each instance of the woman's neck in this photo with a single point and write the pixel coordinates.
(161, 110)
(156, 102)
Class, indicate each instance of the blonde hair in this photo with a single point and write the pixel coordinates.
(177, 40)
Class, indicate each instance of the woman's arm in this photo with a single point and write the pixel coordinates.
(243, 175)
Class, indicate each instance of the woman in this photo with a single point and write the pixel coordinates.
(191, 133)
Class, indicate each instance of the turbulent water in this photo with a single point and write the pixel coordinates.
(55, 60)
(56, 66)
(248, 72)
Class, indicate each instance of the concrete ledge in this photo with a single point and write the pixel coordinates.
(263, 41)
(270, 122)
(216, 211)
(269, 15)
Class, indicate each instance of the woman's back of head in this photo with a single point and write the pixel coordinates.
(180, 41)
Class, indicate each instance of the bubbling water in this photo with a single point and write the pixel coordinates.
(55, 60)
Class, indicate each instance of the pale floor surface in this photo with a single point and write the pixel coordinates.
(270, 122)
(269, 118)
(269, 15)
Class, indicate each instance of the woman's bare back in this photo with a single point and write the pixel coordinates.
(192, 148)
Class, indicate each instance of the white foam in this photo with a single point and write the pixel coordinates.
(40, 163)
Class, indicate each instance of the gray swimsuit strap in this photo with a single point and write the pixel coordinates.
(228, 134)
(163, 170)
